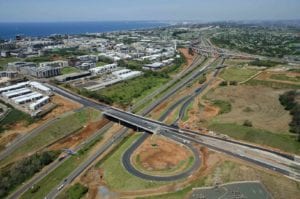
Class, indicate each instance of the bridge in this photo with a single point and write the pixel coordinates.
(276, 161)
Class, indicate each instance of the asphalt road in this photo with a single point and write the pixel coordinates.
(53, 166)
(126, 161)
(154, 126)
(22, 139)
(117, 138)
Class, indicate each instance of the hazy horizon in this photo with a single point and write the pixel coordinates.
(155, 10)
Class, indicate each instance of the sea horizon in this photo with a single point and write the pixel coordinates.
(9, 30)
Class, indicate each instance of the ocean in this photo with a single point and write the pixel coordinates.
(10, 30)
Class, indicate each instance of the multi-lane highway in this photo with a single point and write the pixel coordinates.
(117, 138)
(54, 165)
(275, 160)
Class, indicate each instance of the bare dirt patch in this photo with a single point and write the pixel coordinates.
(22, 128)
(64, 105)
(157, 154)
(258, 104)
(189, 58)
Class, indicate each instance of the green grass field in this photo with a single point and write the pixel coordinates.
(285, 78)
(4, 61)
(62, 127)
(101, 63)
(129, 91)
(68, 70)
(285, 142)
(13, 117)
(115, 175)
(61, 172)
(238, 74)
(76, 191)
(225, 106)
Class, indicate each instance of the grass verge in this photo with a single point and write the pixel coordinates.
(284, 142)
(62, 127)
(68, 70)
(115, 175)
(61, 172)
(76, 191)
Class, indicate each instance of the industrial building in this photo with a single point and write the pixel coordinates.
(154, 66)
(58, 63)
(93, 58)
(9, 74)
(27, 98)
(39, 103)
(21, 94)
(72, 76)
(13, 87)
(40, 87)
(104, 69)
(86, 65)
(17, 66)
(126, 74)
(42, 72)
(16, 93)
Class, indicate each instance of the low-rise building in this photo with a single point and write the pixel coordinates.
(104, 69)
(9, 74)
(87, 58)
(86, 65)
(72, 76)
(154, 66)
(17, 66)
(58, 63)
(42, 72)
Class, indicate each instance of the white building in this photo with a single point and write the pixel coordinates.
(39, 103)
(104, 69)
(27, 98)
(40, 87)
(126, 74)
(16, 93)
(13, 87)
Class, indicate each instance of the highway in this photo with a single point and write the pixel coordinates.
(183, 82)
(117, 138)
(54, 165)
(22, 139)
(275, 160)
(196, 62)
(266, 158)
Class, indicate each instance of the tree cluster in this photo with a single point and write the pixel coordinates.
(20, 171)
(288, 100)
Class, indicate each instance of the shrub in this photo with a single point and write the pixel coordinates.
(247, 123)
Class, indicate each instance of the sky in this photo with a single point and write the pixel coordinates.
(133, 10)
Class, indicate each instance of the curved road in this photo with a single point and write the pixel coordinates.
(126, 158)
(131, 169)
